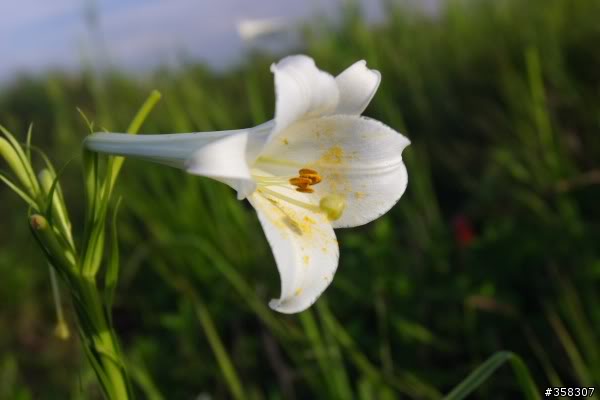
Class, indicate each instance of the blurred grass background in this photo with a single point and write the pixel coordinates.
(494, 246)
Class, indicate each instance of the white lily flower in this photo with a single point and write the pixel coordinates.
(318, 165)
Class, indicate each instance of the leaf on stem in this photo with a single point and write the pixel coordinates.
(112, 269)
(18, 191)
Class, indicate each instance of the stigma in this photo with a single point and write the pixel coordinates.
(333, 206)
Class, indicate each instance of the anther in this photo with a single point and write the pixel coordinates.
(307, 171)
(305, 190)
(301, 182)
(310, 174)
(314, 179)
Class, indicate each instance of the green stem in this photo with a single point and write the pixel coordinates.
(79, 270)
(101, 342)
(97, 335)
(97, 331)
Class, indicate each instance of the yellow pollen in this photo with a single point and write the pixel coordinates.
(309, 220)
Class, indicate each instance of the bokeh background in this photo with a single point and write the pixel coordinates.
(494, 247)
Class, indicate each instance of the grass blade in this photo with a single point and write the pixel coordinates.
(485, 370)
(19, 192)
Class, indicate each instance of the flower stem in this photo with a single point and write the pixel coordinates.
(102, 347)
(97, 335)
(79, 268)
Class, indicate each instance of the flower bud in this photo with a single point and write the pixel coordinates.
(15, 164)
(59, 256)
(38, 222)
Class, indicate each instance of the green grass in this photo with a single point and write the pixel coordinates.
(501, 100)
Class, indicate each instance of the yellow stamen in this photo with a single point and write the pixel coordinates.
(288, 199)
(332, 205)
(272, 179)
(307, 177)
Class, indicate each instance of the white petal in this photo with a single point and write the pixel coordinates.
(358, 158)
(357, 86)
(170, 149)
(258, 137)
(305, 249)
(224, 160)
(302, 91)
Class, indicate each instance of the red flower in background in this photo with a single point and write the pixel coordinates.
(463, 230)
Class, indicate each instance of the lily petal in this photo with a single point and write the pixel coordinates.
(305, 248)
(357, 85)
(358, 158)
(170, 149)
(302, 91)
(225, 161)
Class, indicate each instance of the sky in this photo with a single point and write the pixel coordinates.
(139, 34)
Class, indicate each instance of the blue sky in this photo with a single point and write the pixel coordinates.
(137, 34)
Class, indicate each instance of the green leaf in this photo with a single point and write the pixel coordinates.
(319, 350)
(575, 356)
(18, 191)
(55, 205)
(144, 111)
(210, 330)
(407, 382)
(90, 172)
(485, 370)
(112, 269)
(99, 194)
(144, 381)
(216, 344)
(28, 142)
(90, 124)
(116, 162)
